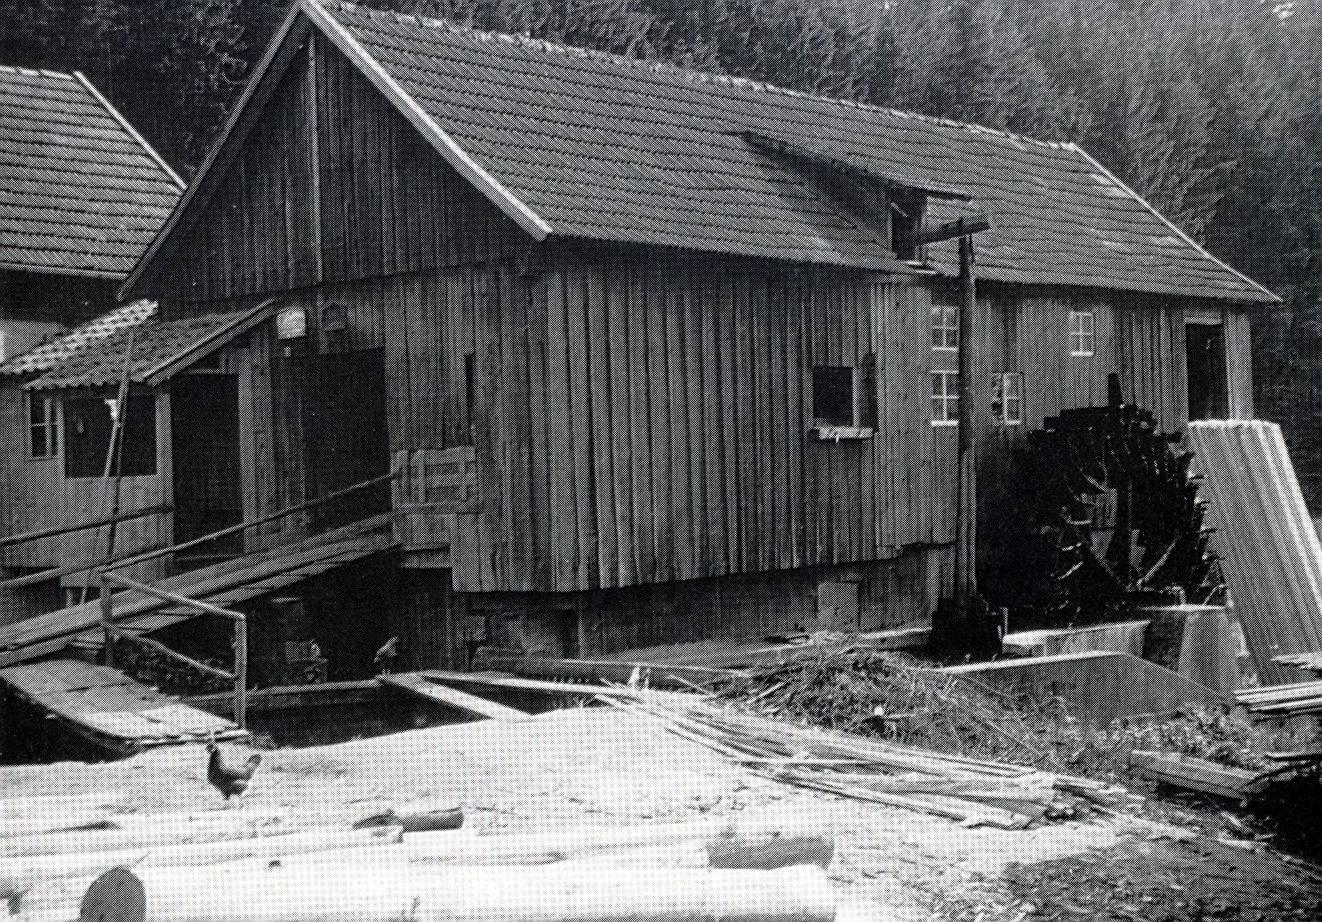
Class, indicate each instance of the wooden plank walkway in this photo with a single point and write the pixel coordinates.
(225, 584)
(111, 710)
(417, 684)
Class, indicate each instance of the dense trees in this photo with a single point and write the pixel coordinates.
(1211, 108)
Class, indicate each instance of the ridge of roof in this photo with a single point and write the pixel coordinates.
(688, 73)
(35, 72)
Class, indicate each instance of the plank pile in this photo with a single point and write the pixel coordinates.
(67, 857)
(971, 791)
(1265, 537)
(1282, 700)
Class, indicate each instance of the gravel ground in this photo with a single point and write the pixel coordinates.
(600, 767)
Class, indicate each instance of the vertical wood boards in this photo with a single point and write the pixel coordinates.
(675, 406)
(1273, 560)
(330, 184)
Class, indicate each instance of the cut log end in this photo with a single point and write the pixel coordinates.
(115, 896)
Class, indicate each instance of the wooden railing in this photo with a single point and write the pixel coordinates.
(107, 581)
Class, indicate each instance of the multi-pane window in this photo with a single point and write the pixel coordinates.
(945, 398)
(43, 433)
(1008, 397)
(945, 327)
(1083, 333)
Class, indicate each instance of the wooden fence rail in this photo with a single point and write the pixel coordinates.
(239, 676)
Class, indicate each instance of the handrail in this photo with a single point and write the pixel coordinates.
(243, 526)
(111, 630)
(166, 595)
(45, 576)
(88, 525)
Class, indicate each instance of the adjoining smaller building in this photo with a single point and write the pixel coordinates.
(81, 196)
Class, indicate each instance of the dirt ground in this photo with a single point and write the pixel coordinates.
(582, 766)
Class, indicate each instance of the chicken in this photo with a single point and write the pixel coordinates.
(227, 779)
(385, 657)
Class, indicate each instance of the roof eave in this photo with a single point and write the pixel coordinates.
(1271, 296)
(7, 266)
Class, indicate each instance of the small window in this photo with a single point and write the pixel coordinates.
(87, 427)
(945, 327)
(833, 395)
(1083, 333)
(1008, 398)
(43, 433)
(945, 398)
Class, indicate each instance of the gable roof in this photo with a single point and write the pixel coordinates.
(45, 356)
(581, 144)
(81, 192)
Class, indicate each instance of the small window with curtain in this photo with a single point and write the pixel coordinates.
(1083, 333)
(945, 398)
(43, 430)
(841, 409)
(88, 423)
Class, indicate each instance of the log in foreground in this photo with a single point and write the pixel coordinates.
(758, 843)
(20, 873)
(571, 893)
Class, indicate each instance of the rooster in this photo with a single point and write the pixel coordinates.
(227, 779)
(384, 660)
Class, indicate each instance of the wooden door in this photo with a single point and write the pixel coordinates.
(208, 494)
(350, 442)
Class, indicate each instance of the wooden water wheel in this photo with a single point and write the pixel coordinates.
(1112, 517)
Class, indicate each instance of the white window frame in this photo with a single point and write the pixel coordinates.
(1083, 333)
(50, 423)
(945, 328)
(1008, 397)
(945, 395)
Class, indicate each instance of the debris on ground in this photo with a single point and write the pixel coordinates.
(972, 791)
(1188, 879)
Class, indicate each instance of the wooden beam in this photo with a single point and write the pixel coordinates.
(960, 227)
(87, 525)
(420, 687)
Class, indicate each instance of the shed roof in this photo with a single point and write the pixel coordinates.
(156, 345)
(609, 148)
(45, 356)
(81, 192)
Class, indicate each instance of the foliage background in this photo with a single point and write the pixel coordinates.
(1210, 108)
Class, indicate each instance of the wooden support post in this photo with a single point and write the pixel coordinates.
(241, 673)
(107, 617)
(966, 510)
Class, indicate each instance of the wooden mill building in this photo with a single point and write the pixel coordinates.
(653, 352)
(81, 196)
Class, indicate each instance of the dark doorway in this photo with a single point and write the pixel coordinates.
(208, 493)
(1205, 359)
(348, 438)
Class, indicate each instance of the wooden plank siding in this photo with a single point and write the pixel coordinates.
(676, 393)
(39, 496)
(636, 417)
(331, 184)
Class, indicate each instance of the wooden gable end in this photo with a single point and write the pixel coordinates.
(326, 182)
